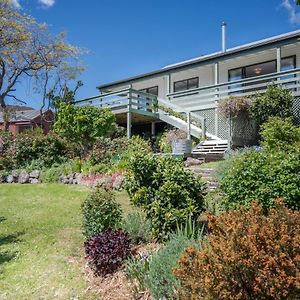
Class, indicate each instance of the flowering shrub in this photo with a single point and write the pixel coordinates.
(248, 255)
(263, 176)
(100, 211)
(107, 250)
(234, 105)
(165, 191)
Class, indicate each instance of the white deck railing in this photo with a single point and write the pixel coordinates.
(207, 96)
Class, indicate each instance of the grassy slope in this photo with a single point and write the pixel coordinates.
(41, 253)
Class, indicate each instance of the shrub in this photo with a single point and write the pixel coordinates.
(52, 175)
(165, 191)
(279, 133)
(100, 211)
(153, 271)
(107, 250)
(248, 255)
(138, 228)
(275, 102)
(263, 176)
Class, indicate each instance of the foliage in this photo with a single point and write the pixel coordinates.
(28, 49)
(248, 255)
(100, 211)
(83, 124)
(234, 105)
(263, 176)
(106, 149)
(152, 271)
(49, 148)
(275, 102)
(107, 250)
(165, 191)
(279, 133)
(165, 141)
(52, 175)
(138, 227)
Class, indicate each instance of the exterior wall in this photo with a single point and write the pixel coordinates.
(205, 73)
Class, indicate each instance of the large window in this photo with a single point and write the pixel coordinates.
(151, 90)
(187, 84)
(263, 68)
(287, 63)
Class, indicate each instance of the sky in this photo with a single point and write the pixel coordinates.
(127, 38)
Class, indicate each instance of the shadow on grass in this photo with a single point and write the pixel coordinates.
(6, 256)
(2, 219)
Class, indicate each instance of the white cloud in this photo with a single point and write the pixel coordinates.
(294, 17)
(15, 3)
(47, 3)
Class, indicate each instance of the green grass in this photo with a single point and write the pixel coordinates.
(41, 245)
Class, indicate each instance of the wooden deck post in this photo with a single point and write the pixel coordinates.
(278, 60)
(129, 115)
(152, 129)
(188, 121)
(216, 75)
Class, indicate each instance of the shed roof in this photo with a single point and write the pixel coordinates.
(21, 115)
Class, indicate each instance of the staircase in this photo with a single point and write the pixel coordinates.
(208, 175)
(211, 147)
(214, 146)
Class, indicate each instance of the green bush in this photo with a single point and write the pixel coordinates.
(100, 211)
(275, 102)
(52, 175)
(262, 175)
(165, 191)
(138, 228)
(279, 133)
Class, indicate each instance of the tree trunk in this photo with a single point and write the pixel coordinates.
(5, 113)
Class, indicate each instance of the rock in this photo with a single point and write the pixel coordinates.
(118, 182)
(78, 178)
(23, 177)
(15, 173)
(71, 180)
(65, 179)
(10, 179)
(192, 162)
(34, 174)
(34, 180)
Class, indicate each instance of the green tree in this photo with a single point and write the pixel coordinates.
(83, 124)
(28, 50)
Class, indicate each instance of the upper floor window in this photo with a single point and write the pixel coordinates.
(151, 90)
(287, 63)
(187, 84)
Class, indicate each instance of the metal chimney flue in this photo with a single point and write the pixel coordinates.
(224, 36)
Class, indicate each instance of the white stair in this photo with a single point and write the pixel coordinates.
(211, 147)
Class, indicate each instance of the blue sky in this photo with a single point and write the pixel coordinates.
(126, 38)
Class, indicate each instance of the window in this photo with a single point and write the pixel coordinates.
(187, 84)
(263, 68)
(151, 90)
(287, 63)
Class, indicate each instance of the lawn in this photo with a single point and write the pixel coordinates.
(41, 253)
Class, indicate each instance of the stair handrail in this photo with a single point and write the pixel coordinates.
(175, 110)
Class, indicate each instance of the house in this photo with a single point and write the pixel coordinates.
(194, 87)
(21, 119)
